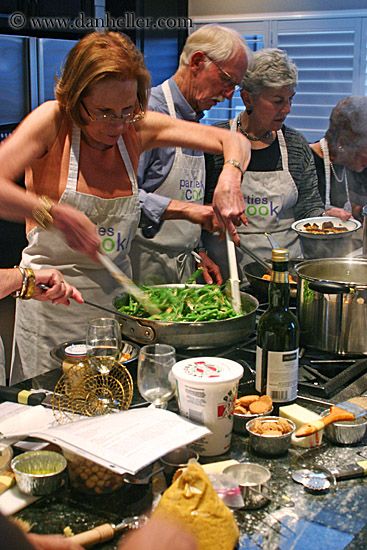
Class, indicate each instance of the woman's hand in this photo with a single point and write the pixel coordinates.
(59, 292)
(228, 202)
(339, 213)
(80, 233)
(52, 542)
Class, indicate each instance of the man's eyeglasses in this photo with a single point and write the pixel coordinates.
(226, 78)
(128, 117)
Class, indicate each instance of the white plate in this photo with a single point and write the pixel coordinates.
(351, 225)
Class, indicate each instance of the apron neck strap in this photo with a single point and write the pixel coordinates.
(72, 180)
(170, 104)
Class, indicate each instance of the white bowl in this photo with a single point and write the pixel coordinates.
(351, 225)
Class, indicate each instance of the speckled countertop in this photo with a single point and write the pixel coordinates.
(334, 520)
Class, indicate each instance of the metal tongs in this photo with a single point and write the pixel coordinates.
(234, 282)
(129, 285)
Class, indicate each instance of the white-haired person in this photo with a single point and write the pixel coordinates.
(213, 61)
(343, 147)
(280, 184)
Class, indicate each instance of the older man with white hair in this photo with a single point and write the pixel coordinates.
(213, 61)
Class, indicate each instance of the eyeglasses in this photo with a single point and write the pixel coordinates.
(128, 117)
(227, 80)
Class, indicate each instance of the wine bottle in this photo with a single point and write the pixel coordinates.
(278, 338)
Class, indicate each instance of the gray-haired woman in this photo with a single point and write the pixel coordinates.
(280, 184)
(344, 145)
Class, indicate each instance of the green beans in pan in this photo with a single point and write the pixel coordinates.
(187, 304)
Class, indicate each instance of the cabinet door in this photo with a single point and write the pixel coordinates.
(14, 90)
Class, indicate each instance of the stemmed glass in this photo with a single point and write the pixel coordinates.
(103, 341)
(155, 382)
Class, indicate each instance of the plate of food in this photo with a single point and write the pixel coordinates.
(129, 351)
(325, 227)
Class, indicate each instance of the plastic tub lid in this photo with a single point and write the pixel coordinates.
(214, 370)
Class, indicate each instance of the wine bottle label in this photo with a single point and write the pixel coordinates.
(277, 378)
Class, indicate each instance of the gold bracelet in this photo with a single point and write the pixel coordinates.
(41, 213)
(31, 281)
(23, 289)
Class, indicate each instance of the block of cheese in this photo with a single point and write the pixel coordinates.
(301, 415)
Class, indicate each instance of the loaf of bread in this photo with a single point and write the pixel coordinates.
(192, 501)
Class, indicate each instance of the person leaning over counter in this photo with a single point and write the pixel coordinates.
(82, 150)
(344, 146)
(280, 184)
(214, 59)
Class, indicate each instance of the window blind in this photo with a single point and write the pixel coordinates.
(330, 52)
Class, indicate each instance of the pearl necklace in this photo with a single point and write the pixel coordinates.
(342, 178)
(252, 138)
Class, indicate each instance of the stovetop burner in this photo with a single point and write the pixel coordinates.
(321, 374)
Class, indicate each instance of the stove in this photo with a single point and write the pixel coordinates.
(321, 374)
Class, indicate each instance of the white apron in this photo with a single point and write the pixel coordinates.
(41, 325)
(166, 258)
(325, 151)
(270, 198)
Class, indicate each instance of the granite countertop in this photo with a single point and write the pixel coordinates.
(334, 520)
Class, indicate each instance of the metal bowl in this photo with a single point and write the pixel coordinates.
(240, 421)
(346, 432)
(39, 473)
(58, 352)
(270, 445)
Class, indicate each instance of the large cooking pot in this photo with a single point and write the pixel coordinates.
(254, 273)
(332, 304)
(208, 334)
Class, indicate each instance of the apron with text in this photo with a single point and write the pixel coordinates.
(41, 325)
(270, 198)
(167, 258)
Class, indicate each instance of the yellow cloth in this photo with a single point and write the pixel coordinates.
(192, 501)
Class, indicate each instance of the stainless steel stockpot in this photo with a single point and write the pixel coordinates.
(332, 304)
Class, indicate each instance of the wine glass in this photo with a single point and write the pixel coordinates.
(103, 342)
(154, 373)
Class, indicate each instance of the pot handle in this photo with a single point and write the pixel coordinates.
(328, 287)
(143, 334)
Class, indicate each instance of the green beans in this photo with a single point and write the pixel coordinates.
(187, 304)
